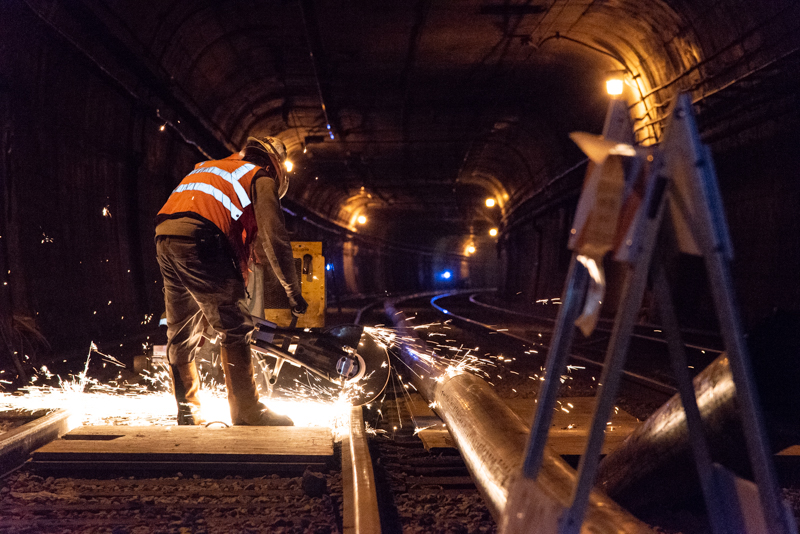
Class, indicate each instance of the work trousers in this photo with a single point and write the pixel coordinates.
(200, 281)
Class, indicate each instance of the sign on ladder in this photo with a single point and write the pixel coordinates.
(641, 218)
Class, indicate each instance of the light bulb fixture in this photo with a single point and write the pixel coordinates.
(289, 165)
(490, 202)
(361, 219)
(615, 82)
(493, 232)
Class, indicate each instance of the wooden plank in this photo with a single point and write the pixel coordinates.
(189, 443)
(435, 435)
(418, 406)
(793, 450)
(437, 438)
(569, 429)
(570, 426)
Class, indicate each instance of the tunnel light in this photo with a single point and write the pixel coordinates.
(493, 232)
(446, 275)
(361, 219)
(470, 249)
(614, 87)
(289, 165)
(490, 202)
(615, 84)
(329, 267)
(162, 127)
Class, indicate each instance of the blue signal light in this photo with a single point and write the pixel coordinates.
(446, 275)
(329, 267)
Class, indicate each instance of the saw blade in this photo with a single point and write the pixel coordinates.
(311, 367)
(373, 363)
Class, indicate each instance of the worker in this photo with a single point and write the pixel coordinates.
(205, 234)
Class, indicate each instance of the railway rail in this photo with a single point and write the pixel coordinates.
(412, 478)
(399, 480)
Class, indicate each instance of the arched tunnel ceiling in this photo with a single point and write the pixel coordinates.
(411, 112)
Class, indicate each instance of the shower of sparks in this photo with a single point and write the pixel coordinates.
(455, 359)
(334, 415)
(93, 403)
(106, 357)
(373, 431)
(148, 400)
(308, 400)
(419, 429)
(106, 212)
(452, 357)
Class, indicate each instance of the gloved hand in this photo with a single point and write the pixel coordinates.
(298, 304)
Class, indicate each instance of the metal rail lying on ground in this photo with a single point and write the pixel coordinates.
(491, 438)
(17, 444)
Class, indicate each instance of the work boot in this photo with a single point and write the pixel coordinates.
(242, 393)
(186, 383)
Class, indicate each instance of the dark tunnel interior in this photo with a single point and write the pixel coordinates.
(411, 114)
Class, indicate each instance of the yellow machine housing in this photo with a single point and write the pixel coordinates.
(310, 268)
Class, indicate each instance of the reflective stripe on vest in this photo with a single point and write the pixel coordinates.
(214, 192)
(233, 179)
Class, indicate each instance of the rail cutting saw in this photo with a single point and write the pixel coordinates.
(319, 361)
(305, 362)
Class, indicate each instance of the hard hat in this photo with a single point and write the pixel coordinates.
(275, 147)
(272, 145)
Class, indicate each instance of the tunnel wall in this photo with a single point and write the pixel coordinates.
(740, 63)
(362, 266)
(85, 167)
(761, 190)
(85, 170)
(760, 185)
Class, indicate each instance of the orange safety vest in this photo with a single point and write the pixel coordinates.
(219, 192)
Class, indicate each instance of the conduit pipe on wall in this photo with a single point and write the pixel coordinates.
(491, 438)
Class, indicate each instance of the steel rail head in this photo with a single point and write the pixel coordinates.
(362, 515)
(491, 439)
